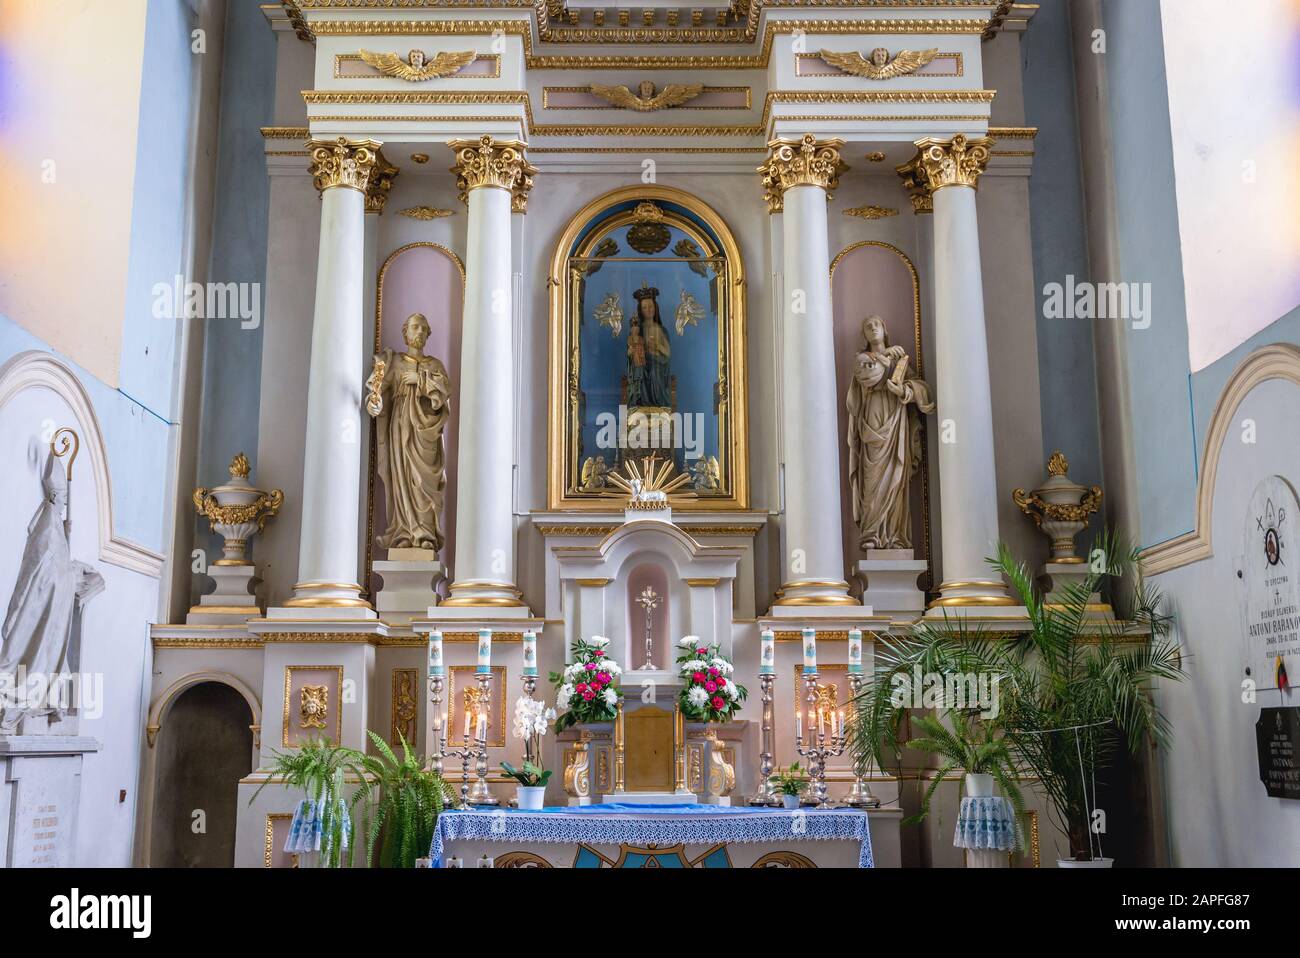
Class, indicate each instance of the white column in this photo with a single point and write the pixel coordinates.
(798, 179)
(948, 170)
(492, 175)
(327, 552)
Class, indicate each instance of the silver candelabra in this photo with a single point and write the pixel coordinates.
(475, 752)
(820, 745)
(766, 794)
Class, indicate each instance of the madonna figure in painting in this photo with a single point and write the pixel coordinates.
(648, 351)
(409, 396)
(884, 402)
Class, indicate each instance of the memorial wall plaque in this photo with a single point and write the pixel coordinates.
(1276, 734)
(1270, 595)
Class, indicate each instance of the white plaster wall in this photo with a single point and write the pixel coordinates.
(1219, 813)
(115, 636)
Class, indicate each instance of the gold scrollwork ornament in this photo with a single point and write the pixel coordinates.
(342, 163)
(807, 161)
(490, 162)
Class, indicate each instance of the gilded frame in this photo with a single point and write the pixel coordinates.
(562, 468)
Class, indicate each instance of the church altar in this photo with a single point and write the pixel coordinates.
(616, 835)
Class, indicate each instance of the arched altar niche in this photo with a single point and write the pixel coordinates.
(599, 585)
(872, 278)
(629, 251)
(649, 574)
(418, 278)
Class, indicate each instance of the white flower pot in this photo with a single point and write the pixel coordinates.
(1094, 863)
(979, 785)
(790, 801)
(530, 798)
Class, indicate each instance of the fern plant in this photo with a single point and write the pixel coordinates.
(319, 768)
(407, 800)
(966, 743)
(1071, 688)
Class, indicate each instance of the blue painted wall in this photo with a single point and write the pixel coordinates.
(1066, 367)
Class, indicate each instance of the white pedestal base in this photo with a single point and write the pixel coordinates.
(651, 798)
(820, 611)
(1059, 576)
(40, 790)
(987, 858)
(579, 802)
(409, 588)
(890, 577)
(232, 602)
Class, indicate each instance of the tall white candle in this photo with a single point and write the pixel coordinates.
(480, 732)
(435, 653)
(767, 652)
(485, 650)
(798, 724)
(855, 650)
(530, 653)
(810, 651)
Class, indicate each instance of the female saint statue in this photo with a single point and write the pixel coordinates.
(884, 439)
(648, 351)
(409, 395)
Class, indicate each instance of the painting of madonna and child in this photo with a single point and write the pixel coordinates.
(649, 314)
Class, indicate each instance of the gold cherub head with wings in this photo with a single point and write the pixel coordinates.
(416, 66)
(879, 66)
(674, 94)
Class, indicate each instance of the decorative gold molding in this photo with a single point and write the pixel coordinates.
(178, 642)
(288, 696)
(405, 707)
(880, 65)
(940, 163)
(871, 212)
(342, 163)
(488, 162)
(804, 162)
(285, 133)
(548, 105)
(425, 212)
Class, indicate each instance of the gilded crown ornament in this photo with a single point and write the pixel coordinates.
(939, 163)
(342, 162)
(236, 510)
(496, 163)
(1059, 507)
(804, 162)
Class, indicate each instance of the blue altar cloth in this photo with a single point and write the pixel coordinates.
(660, 824)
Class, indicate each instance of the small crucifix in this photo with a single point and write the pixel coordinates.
(648, 600)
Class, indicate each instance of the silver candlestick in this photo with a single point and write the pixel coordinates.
(441, 750)
(820, 746)
(766, 794)
(648, 600)
(480, 794)
(860, 795)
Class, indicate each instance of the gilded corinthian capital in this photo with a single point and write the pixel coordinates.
(804, 162)
(496, 163)
(342, 162)
(939, 163)
(381, 181)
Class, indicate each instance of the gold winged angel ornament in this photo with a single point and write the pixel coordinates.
(674, 94)
(416, 67)
(879, 66)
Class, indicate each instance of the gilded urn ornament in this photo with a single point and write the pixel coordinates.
(1059, 507)
(236, 511)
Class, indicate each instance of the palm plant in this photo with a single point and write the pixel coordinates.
(408, 798)
(1070, 687)
(966, 743)
(319, 768)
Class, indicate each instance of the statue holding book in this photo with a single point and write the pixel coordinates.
(884, 404)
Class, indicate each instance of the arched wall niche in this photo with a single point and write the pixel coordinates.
(426, 278)
(875, 278)
(650, 571)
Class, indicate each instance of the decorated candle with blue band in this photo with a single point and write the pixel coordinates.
(855, 650)
(767, 652)
(810, 651)
(435, 653)
(484, 650)
(530, 653)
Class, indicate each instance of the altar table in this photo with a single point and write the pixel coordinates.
(655, 836)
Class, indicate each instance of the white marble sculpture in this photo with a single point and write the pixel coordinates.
(42, 629)
(409, 395)
(884, 435)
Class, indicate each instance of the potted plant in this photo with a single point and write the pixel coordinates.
(408, 798)
(791, 784)
(532, 719)
(708, 692)
(970, 744)
(322, 826)
(1071, 687)
(585, 688)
